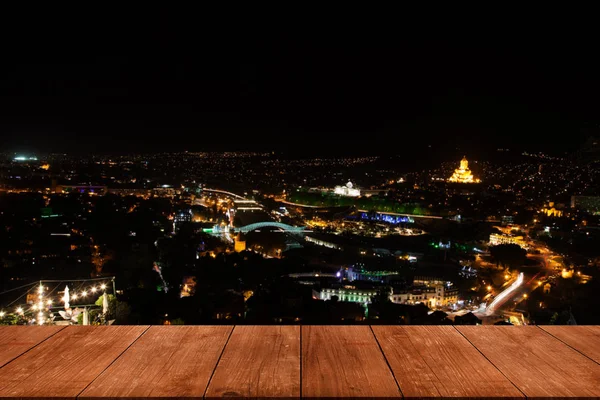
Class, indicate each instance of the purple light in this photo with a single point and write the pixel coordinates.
(338, 274)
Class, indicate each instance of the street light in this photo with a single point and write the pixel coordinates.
(489, 287)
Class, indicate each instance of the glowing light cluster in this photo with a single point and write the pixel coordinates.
(347, 190)
(463, 174)
(39, 311)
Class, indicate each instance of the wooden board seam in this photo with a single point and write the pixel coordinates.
(300, 358)
(113, 361)
(562, 341)
(218, 360)
(386, 360)
(31, 348)
(490, 361)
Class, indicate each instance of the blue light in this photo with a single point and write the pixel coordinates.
(391, 219)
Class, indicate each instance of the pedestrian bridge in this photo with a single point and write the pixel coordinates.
(271, 224)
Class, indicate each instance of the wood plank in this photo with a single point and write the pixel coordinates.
(259, 361)
(434, 361)
(344, 362)
(16, 340)
(66, 363)
(585, 339)
(167, 361)
(538, 364)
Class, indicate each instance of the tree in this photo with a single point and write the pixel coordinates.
(508, 255)
(381, 297)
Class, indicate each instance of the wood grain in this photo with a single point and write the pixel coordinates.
(16, 340)
(259, 361)
(538, 364)
(585, 339)
(434, 361)
(66, 363)
(167, 361)
(344, 362)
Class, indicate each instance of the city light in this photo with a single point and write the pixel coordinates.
(500, 298)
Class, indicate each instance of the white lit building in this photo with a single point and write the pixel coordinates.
(347, 293)
(434, 294)
(347, 190)
(498, 239)
(320, 242)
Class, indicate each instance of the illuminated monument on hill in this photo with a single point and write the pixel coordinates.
(463, 174)
(347, 190)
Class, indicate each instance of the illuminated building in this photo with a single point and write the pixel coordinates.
(347, 293)
(432, 295)
(496, 239)
(320, 242)
(24, 158)
(551, 211)
(507, 220)
(181, 218)
(347, 190)
(589, 204)
(463, 174)
(240, 243)
(435, 292)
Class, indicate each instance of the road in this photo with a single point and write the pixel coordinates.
(505, 295)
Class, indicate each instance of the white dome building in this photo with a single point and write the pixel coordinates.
(347, 190)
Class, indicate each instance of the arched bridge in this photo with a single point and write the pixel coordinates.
(279, 225)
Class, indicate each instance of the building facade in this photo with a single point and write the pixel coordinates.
(498, 239)
(346, 293)
(348, 190)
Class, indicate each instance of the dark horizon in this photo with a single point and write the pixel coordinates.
(165, 84)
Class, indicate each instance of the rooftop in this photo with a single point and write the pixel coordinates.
(300, 361)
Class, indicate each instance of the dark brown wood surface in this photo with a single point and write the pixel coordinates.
(166, 361)
(16, 340)
(437, 361)
(293, 361)
(585, 339)
(344, 362)
(538, 364)
(63, 365)
(259, 361)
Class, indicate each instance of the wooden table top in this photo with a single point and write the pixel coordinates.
(459, 362)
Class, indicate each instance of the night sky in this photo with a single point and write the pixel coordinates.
(173, 82)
